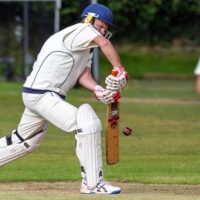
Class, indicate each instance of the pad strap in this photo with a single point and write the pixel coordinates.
(17, 134)
(8, 140)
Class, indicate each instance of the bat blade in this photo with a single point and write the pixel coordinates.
(112, 133)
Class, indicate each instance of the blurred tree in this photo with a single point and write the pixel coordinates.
(156, 20)
(69, 12)
(7, 17)
(41, 19)
(144, 21)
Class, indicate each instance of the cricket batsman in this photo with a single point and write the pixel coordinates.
(64, 59)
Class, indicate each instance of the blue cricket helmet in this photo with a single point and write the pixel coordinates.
(100, 12)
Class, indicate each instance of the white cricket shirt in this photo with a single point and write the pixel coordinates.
(62, 59)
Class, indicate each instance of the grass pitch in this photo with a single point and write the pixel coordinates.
(70, 190)
(164, 148)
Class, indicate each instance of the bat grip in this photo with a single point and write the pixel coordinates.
(114, 72)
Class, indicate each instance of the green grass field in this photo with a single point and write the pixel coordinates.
(143, 61)
(146, 61)
(164, 148)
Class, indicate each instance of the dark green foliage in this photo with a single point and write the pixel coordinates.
(141, 21)
(156, 20)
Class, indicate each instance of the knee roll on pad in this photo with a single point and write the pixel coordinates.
(88, 144)
(87, 121)
(17, 150)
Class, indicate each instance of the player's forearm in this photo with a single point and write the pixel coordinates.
(88, 84)
(86, 80)
(108, 50)
(111, 54)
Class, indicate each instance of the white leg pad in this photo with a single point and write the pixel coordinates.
(88, 144)
(19, 149)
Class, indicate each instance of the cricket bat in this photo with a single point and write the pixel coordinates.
(112, 132)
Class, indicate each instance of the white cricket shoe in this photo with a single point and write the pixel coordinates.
(101, 188)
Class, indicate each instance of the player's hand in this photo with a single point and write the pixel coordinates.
(116, 81)
(106, 96)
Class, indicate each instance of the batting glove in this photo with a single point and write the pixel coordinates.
(116, 81)
(106, 96)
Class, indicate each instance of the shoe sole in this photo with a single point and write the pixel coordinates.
(114, 192)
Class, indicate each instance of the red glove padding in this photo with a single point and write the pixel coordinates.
(116, 82)
(106, 96)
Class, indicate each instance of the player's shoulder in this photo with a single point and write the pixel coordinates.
(86, 29)
(78, 26)
(81, 30)
(74, 29)
(84, 26)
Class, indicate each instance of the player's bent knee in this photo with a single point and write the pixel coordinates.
(17, 150)
(34, 142)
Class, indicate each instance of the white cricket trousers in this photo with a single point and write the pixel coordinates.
(43, 108)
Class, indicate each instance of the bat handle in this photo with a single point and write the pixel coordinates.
(114, 72)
